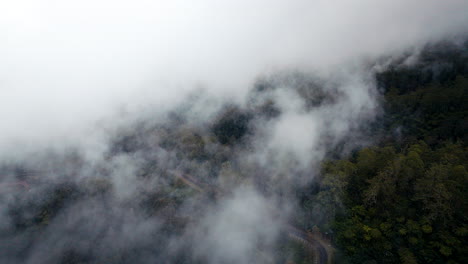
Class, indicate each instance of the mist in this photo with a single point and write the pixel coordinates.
(108, 100)
(65, 65)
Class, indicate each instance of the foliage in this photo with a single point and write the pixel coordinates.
(404, 200)
(411, 208)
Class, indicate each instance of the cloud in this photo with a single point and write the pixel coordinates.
(107, 97)
(238, 229)
(67, 64)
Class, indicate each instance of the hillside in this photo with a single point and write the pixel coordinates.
(392, 190)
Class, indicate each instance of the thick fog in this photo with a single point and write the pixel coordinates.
(122, 111)
(67, 64)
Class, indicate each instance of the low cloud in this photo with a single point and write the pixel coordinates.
(111, 110)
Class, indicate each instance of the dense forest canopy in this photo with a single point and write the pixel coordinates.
(404, 199)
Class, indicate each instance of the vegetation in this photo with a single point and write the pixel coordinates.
(404, 200)
(403, 205)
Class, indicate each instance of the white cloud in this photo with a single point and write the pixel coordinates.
(65, 64)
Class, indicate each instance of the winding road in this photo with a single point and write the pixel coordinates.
(321, 249)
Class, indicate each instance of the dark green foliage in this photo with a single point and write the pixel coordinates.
(313, 90)
(42, 210)
(410, 209)
(437, 63)
(427, 100)
(405, 200)
(434, 113)
(231, 126)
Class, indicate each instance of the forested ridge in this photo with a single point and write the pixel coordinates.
(404, 199)
(400, 199)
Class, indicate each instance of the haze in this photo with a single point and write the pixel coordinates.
(66, 64)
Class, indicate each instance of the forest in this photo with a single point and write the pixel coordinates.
(404, 199)
(400, 198)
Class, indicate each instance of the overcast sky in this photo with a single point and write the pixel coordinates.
(65, 64)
